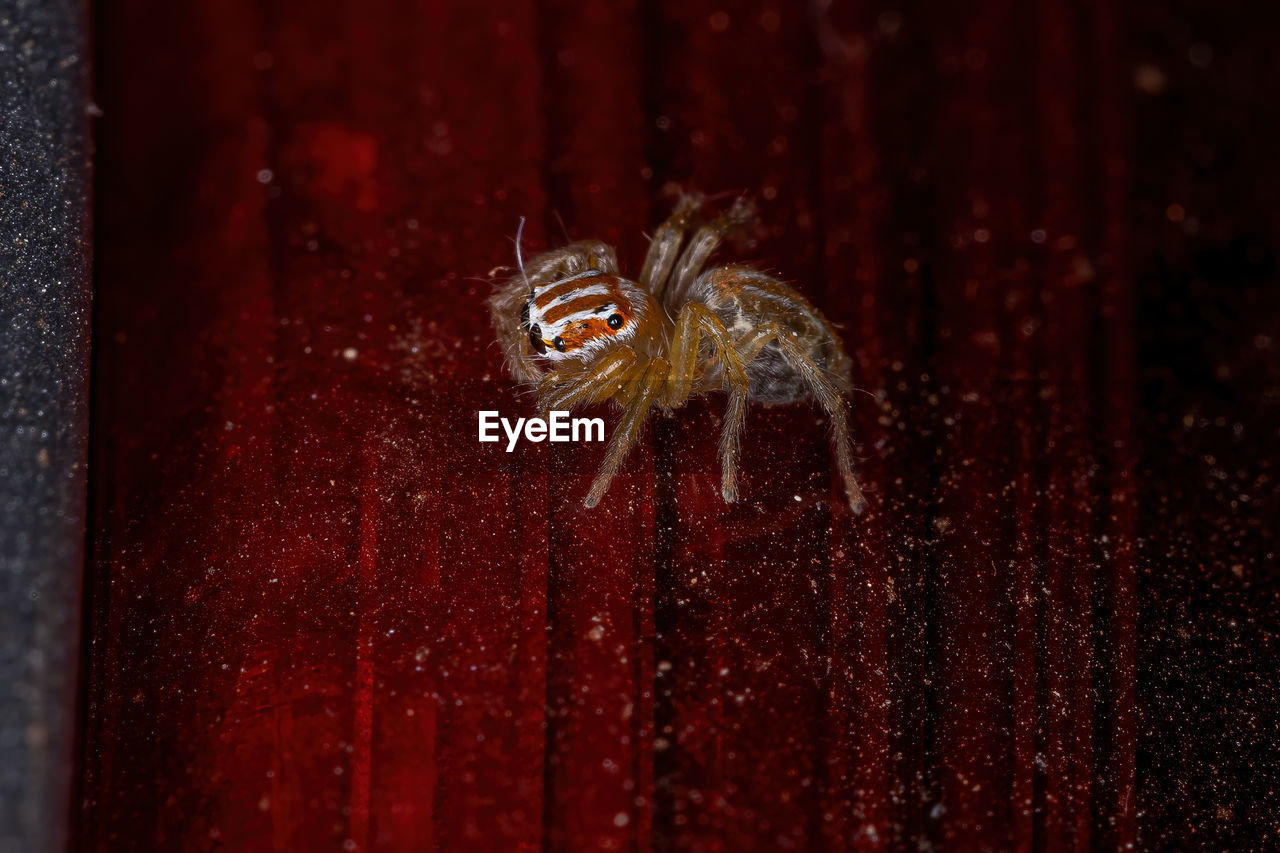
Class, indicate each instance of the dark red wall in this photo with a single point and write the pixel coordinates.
(324, 617)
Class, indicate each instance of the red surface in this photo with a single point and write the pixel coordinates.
(324, 617)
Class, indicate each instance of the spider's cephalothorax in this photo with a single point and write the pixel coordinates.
(571, 325)
(581, 315)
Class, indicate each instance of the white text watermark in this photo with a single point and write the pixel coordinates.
(558, 427)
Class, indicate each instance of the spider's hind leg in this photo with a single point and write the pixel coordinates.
(750, 345)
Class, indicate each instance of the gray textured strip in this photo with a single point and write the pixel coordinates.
(44, 417)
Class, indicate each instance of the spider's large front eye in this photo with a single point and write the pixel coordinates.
(524, 316)
(615, 321)
(559, 343)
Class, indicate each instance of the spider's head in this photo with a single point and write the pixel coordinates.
(581, 315)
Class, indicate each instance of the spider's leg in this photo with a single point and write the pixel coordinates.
(605, 379)
(696, 320)
(703, 244)
(750, 345)
(665, 247)
(628, 429)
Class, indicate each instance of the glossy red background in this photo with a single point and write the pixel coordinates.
(324, 617)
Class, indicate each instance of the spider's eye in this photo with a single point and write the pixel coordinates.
(559, 343)
(524, 316)
(615, 321)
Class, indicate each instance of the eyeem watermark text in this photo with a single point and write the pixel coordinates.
(560, 427)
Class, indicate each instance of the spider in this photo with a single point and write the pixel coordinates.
(574, 328)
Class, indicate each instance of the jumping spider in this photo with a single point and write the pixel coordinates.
(572, 326)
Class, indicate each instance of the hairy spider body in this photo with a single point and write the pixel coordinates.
(745, 299)
(572, 326)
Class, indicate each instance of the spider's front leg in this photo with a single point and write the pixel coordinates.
(607, 378)
(646, 394)
(750, 345)
(696, 320)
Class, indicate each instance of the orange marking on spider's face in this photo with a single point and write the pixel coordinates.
(581, 333)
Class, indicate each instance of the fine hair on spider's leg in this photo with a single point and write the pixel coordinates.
(702, 244)
(591, 386)
(664, 249)
(696, 320)
(628, 429)
(752, 344)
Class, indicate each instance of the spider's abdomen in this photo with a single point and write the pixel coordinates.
(746, 299)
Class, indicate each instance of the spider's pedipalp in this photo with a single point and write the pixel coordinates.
(601, 381)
